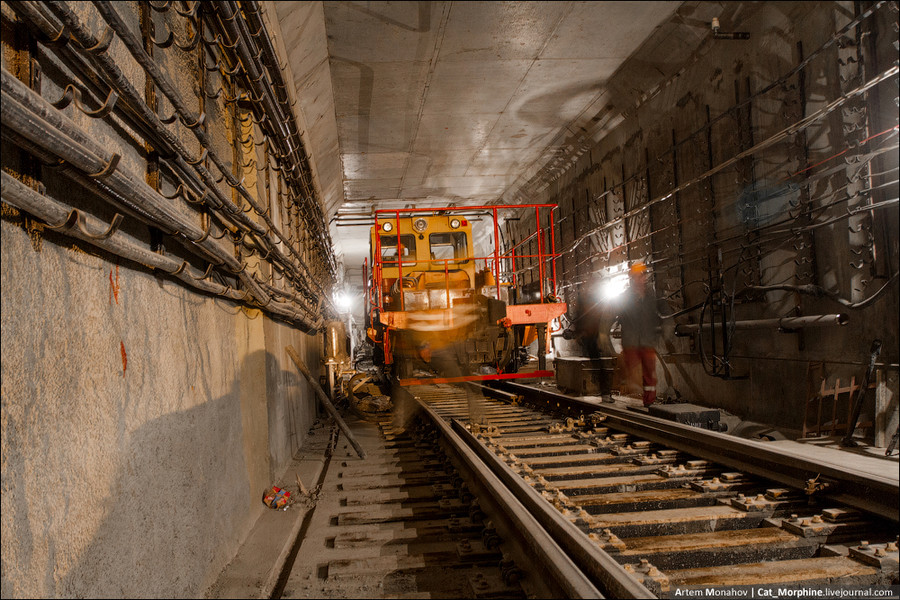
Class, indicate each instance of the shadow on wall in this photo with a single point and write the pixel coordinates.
(174, 513)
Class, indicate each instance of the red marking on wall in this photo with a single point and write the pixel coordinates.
(114, 286)
(124, 358)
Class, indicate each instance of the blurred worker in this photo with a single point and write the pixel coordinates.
(434, 344)
(640, 320)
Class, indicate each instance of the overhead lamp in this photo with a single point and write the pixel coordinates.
(420, 225)
(387, 226)
(454, 223)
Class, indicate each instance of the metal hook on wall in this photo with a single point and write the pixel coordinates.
(113, 227)
(205, 235)
(226, 72)
(179, 192)
(268, 253)
(259, 122)
(61, 39)
(196, 123)
(191, 12)
(108, 169)
(238, 184)
(201, 200)
(67, 223)
(199, 160)
(103, 43)
(209, 269)
(178, 270)
(247, 293)
(73, 94)
(192, 43)
(170, 39)
(238, 239)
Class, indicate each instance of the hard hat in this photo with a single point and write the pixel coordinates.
(638, 267)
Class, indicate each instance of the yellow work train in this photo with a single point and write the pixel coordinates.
(434, 305)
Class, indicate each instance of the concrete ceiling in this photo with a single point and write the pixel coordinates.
(432, 103)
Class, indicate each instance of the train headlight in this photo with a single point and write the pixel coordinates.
(454, 224)
(420, 225)
(387, 226)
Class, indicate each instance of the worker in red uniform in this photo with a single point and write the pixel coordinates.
(640, 322)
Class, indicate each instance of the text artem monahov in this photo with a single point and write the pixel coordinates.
(711, 592)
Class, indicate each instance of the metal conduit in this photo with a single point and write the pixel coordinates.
(139, 115)
(248, 55)
(267, 52)
(292, 313)
(241, 43)
(30, 116)
(785, 323)
(189, 119)
(148, 122)
(71, 222)
(166, 142)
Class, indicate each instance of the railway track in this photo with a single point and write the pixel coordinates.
(567, 499)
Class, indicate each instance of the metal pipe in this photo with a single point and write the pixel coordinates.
(32, 117)
(114, 241)
(241, 40)
(165, 141)
(540, 241)
(784, 323)
(236, 30)
(134, 46)
(149, 124)
(323, 397)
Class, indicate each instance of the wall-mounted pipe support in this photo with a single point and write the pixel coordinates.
(24, 198)
(26, 114)
(103, 77)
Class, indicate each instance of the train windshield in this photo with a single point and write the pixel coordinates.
(389, 247)
(449, 245)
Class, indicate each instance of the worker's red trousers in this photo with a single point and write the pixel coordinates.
(646, 357)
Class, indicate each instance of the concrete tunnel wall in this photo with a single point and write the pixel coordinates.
(141, 425)
(665, 95)
(142, 420)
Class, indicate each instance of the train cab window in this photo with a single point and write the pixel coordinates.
(389, 247)
(448, 245)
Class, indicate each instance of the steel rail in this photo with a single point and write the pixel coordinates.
(508, 397)
(878, 495)
(608, 574)
(517, 522)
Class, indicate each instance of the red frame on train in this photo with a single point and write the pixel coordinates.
(437, 304)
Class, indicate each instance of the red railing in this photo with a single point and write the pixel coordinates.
(492, 261)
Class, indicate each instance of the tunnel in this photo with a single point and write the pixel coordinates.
(262, 261)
